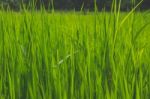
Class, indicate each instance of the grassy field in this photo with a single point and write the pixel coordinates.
(74, 56)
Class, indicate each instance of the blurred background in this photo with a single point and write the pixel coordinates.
(71, 4)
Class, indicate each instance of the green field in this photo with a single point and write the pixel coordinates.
(69, 55)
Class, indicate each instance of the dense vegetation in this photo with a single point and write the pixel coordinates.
(71, 4)
(74, 56)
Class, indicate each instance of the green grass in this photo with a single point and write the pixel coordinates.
(74, 56)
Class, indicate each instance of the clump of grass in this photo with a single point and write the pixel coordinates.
(74, 56)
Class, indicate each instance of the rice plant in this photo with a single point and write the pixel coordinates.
(70, 55)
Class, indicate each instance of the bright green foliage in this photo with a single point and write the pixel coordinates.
(74, 56)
